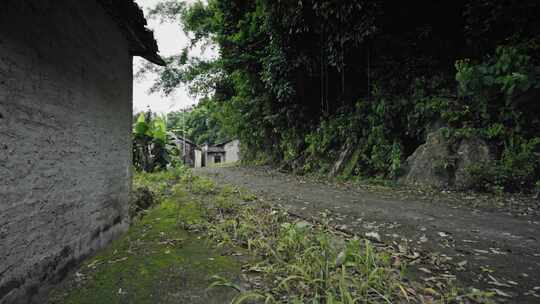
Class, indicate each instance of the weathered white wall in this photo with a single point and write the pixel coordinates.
(65, 122)
(198, 158)
(232, 151)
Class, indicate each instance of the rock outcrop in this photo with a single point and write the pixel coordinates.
(427, 166)
(438, 163)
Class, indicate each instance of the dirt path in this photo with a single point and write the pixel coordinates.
(484, 249)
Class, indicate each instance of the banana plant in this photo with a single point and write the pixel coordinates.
(150, 142)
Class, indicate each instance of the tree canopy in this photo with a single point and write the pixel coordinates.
(202, 124)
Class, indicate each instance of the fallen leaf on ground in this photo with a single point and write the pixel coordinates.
(373, 236)
(340, 258)
(496, 282)
(119, 260)
(486, 269)
(93, 264)
(501, 293)
(496, 251)
(481, 251)
(302, 225)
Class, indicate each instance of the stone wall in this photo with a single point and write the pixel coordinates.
(65, 149)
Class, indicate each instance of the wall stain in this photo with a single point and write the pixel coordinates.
(9, 286)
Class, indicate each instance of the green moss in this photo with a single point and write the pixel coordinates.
(248, 197)
(203, 186)
(191, 213)
(155, 262)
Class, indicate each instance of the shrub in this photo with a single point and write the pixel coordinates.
(141, 199)
(517, 170)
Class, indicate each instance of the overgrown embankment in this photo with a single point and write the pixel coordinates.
(205, 243)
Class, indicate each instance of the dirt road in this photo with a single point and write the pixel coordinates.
(484, 249)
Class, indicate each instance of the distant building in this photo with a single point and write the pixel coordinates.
(212, 155)
(186, 148)
(232, 150)
(225, 152)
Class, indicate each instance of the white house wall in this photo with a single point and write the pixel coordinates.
(232, 151)
(198, 158)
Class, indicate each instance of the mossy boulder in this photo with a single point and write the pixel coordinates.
(430, 164)
(443, 163)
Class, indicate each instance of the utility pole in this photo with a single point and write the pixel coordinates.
(184, 134)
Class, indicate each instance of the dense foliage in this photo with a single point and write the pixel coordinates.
(150, 143)
(300, 81)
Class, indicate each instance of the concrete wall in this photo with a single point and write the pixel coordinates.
(65, 150)
(232, 151)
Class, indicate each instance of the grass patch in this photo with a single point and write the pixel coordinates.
(224, 165)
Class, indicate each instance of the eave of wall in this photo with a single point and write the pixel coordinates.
(130, 18)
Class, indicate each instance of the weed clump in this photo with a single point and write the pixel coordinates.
(141, 199)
